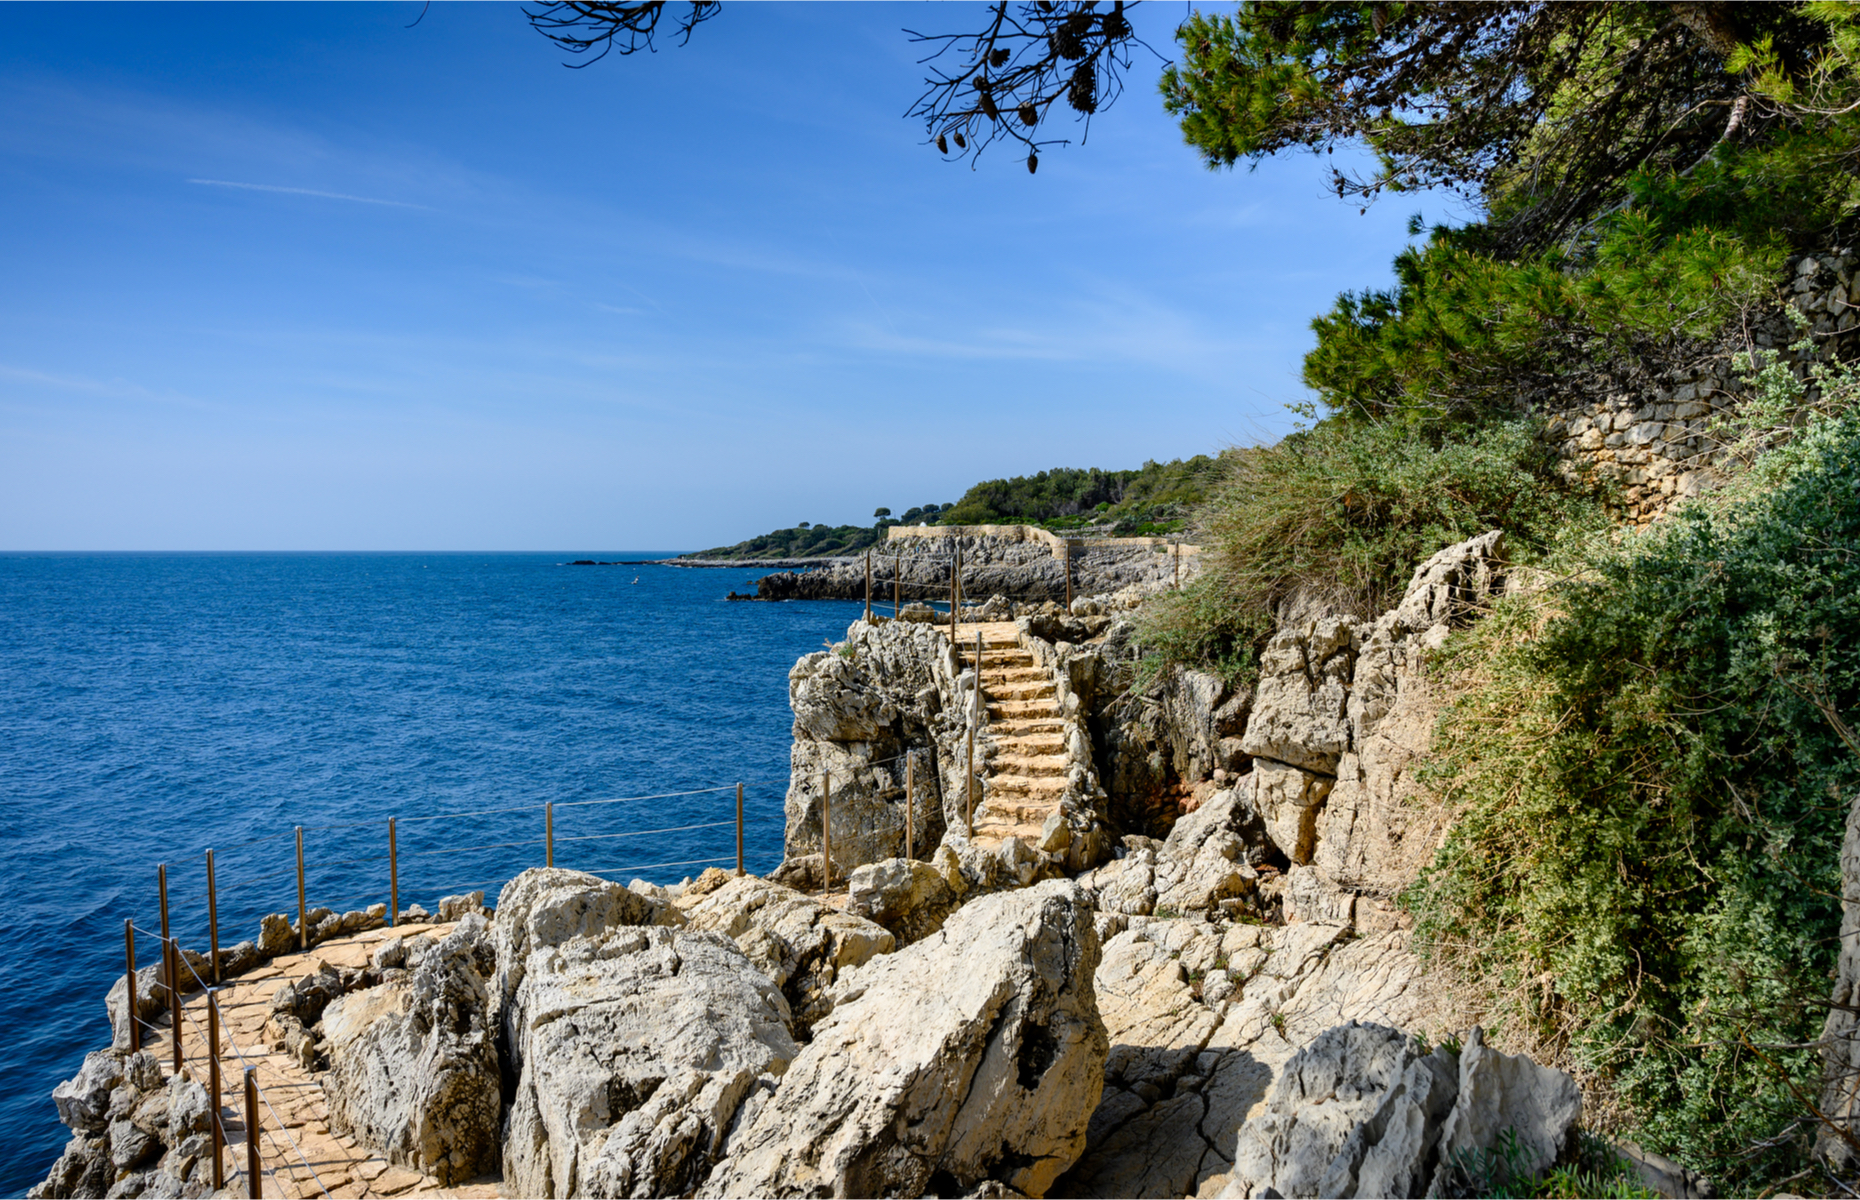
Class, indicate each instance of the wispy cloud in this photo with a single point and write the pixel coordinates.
(297, 191)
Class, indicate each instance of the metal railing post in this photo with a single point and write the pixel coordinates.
(213, 922)
(252, 1171)
(868, 587)
(739, 831)
(1068, 576)
(549, 834)
(393, 878)
(213, 1088)
(897, 587)
(174, 1001)
(968, 816)
(303, 910)
(826, 831)
(129, 961)
(161, 882)
(910, 801)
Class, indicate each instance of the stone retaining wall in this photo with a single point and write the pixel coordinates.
(1656, 442)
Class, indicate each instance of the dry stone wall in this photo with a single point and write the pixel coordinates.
(1655, 442)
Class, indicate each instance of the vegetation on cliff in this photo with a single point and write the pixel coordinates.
(1650, 758)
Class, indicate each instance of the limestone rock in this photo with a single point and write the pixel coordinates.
(1363, 1111)
(635, 1047)
(906, 896)
(974, 1055)
(1298, 712)
(546, 906)
(151, 1003)
(83, 1101)
(798, 942)
(275, 935)
(413, 1068)
(1498, 1093)
(1335, 1105)
(1840, 1099)
(1290, 800)
(1210, 854)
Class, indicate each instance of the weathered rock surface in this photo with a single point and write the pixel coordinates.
(972, 1056)
(891, 690)
(137, 1133)
(546, 906)
(1840, 1098)
(1364, 1110)
(1202, 1015)
(413, 1067)
(798, 942)
(635, 1047)
(910, 898)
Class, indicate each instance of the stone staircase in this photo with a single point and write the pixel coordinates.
(1026, 725)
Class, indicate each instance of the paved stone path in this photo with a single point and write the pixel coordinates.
(296, 1113)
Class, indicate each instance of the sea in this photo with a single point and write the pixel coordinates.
(154, 707)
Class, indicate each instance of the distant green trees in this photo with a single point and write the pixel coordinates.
(1153, 499)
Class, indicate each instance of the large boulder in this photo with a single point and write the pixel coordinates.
(1304, 684)
(975, 1055)
(1365, 1110)
(636, 1046)
(795, 940)
(413, 1067)
(1210, 854)
(546, 906)
(907, 896)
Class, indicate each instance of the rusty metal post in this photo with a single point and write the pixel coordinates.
(1175, 550)
(910, 802)
(1068, 576)
(254, 1189)
(549, 834)
(826, 831)
(161, 882)
(868, 587)
(213, 1088)
(303, 910)
(213, 922)
(897, 586)
(129, 961)
(968, 816)
(953, 563)
(174, 1001)
(393, 878)
(739, 831)
(956, 608)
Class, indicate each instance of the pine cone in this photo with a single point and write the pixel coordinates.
(1029, 115)
(942, 144)
(1082, 93)
(1033, 163)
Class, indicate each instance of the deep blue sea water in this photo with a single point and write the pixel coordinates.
(153, 706)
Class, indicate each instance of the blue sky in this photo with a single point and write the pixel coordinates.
(299, 277)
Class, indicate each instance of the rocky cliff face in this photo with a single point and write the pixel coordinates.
(1014, 567)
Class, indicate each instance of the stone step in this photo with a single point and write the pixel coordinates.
(1017, 726)
(1019, 689)
(1015, 788)
(998, 709)
(1033, 812)
(1023, 743)
(1009, 765)
(989, 673)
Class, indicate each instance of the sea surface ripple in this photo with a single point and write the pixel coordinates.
(153, 706)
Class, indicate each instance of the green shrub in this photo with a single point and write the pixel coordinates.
(1650, 803)
(1348, 510)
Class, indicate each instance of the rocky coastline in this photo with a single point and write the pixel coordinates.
(1191, 979)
